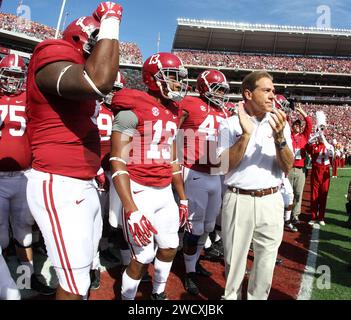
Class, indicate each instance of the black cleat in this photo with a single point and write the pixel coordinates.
(40, 287)
(200, 270)
(190, 283)
(94, 279)
(159, 296)
(212, 254)
(279, 261)
(218, 245)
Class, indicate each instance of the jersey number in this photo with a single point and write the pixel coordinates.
(154, 152)
(12, 111)
(104, 122)
(208, 127)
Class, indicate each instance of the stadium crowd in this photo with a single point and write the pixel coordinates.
(338, 121)
(267, 62)
(11, 22)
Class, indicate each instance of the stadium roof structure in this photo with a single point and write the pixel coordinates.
(235, 37)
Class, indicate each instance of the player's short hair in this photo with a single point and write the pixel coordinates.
(250, 80)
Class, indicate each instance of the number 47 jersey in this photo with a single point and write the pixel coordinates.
(15, 154)
(153, 136)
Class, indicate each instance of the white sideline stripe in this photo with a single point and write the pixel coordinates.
(310, 268)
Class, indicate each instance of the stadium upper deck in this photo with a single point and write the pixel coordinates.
(310, 64)
(264, 39)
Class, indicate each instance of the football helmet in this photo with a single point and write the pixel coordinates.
(82, 34)
(12, 73)
(117, 85)
(213, 86)
(280, 102)
(162, 71)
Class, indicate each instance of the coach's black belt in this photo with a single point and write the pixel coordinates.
(254, 193)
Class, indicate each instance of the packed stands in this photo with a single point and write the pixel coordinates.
(338, 119)
(34, 29)
(268, 62)
(130, 53)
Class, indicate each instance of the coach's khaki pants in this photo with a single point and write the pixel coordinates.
(246, 218)
(297, 180)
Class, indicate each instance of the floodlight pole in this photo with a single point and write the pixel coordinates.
(60, 18)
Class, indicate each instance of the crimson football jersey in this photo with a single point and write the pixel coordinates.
(200, 131)
(104, 121)
(151, 153)
(15, 154)
(63, 133)
(319, 154)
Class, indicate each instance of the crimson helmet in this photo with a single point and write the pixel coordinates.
(280, 102)
(117, 85)
(12, 73)
(82, 33)
(157, 70)
(213, 86)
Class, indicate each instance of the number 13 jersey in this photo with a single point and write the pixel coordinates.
(153, 135)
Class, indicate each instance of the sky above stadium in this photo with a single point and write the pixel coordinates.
(143, 20)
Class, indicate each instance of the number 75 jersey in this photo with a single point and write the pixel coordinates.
(151, 153)
(15, 154)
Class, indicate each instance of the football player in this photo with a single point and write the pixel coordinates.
(15, 161)
(144, 164)
(65, 79)
(200, 122)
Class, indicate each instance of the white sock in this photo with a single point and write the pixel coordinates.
(129, 287)
(208, 243)
(125, 256)
(28, 264)
(96, 261)
(287, 215)
(162, 270)
(190, 262)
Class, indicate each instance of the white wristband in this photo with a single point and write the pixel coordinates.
(118, 159)
(119, 173)
(177, 172)
(109, 29)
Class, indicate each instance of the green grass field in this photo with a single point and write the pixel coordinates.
(334, 251)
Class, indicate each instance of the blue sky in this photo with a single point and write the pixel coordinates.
(143, 19)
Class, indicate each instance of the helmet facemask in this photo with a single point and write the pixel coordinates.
(166, 78)
(11, 79)
(218, 94)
